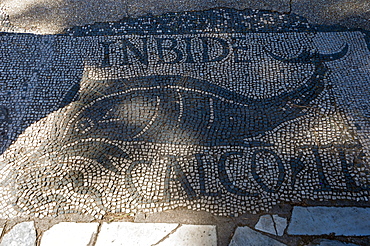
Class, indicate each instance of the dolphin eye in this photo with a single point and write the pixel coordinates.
(84, 125)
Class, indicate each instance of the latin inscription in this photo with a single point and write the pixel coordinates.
(174, 50)
(174, 172)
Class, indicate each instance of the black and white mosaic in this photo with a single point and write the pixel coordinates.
(224, 111)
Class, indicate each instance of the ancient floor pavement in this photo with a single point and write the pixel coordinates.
(224, 112)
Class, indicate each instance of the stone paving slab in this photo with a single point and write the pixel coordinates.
(347, 221)
(191, 235)
(272, 224)
(117, 233)
(132, 233)
(22, 234)
(110, 234)
(266, 224)
(247, 236)
(69, 233)
(121, 233)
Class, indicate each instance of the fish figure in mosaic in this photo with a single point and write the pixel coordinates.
(183, 110)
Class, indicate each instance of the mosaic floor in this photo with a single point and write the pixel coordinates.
(224, 111)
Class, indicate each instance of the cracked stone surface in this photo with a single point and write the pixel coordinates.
(266, 224)
(22, 234)
(347, 221)
(247, 236)
(69, 233)
(280, 224)
(121, 233)
(192, 235)
(272, 224)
